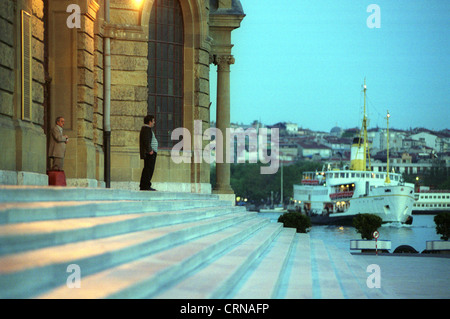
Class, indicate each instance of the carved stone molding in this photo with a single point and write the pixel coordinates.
(223, 62)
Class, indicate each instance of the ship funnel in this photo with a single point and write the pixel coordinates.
(357, 156)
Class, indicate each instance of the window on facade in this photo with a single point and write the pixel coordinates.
(165, 68)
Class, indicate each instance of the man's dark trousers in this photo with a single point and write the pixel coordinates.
(147, 171)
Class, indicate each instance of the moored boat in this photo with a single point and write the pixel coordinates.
(431, 201)
(336, 196)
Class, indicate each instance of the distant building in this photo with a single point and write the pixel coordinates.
(379, 138)
(291, 128)
(439, 141)
(338, 145)
(289, 153)
(309, 150)
(336, 131)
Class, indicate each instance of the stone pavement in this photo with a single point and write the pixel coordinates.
(413, 276)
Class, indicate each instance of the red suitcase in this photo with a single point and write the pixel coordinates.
(56, 178)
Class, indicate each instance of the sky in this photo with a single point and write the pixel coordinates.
(305, 62)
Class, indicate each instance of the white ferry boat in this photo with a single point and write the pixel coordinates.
(336, 196)
(431, 201)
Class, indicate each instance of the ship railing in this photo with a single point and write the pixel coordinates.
(310, 182)
(341, 195)
(434, 191)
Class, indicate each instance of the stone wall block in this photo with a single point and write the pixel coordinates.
(202, 57)
(85, 112)
(129, 63)
(140, 93)
(120, 122)
(87, 26)
(85, 42)
(202, 85)
(7, 34)
(38, 113)
(85, 59)
(37, 49)
(85, 95)
(7, 9)
(98, 59)
(37, 28)
(7, 79)
(203, 72)
(122, 92)
(6, 56)
(37, 8)
(6, 103)
(85, 129)
(124, 47)
(37, 92)
(138, 78)
(124, 17)
(125, 138)
(85, 77)
(128, 108)
(203, 100)
(38, 72)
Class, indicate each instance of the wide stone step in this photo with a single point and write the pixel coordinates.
(148, 275)
(16, 212)
(325, 282)
(55, 193)
(298, 283)
(30, 272)
(23, 236)
(350, 286)
(218, 278)
(264, 277)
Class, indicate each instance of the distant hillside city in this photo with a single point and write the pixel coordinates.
(415, 151)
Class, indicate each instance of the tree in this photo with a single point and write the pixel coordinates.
(295, 220)
(442, 222)
(367, 224)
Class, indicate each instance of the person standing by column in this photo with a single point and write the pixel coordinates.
(57, 149)
(148, 148)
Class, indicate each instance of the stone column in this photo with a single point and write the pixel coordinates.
(223, 63)
(224, 17)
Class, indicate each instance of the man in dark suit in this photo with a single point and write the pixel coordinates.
(148, 147)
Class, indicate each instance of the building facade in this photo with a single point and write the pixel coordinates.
(103, 65)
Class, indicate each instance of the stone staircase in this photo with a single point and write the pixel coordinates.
(131, 244)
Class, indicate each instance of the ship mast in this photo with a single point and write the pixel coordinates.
(364, 131)
(388, 180)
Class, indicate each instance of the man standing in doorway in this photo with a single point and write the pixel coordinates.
(148, 147)
(57, 149)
